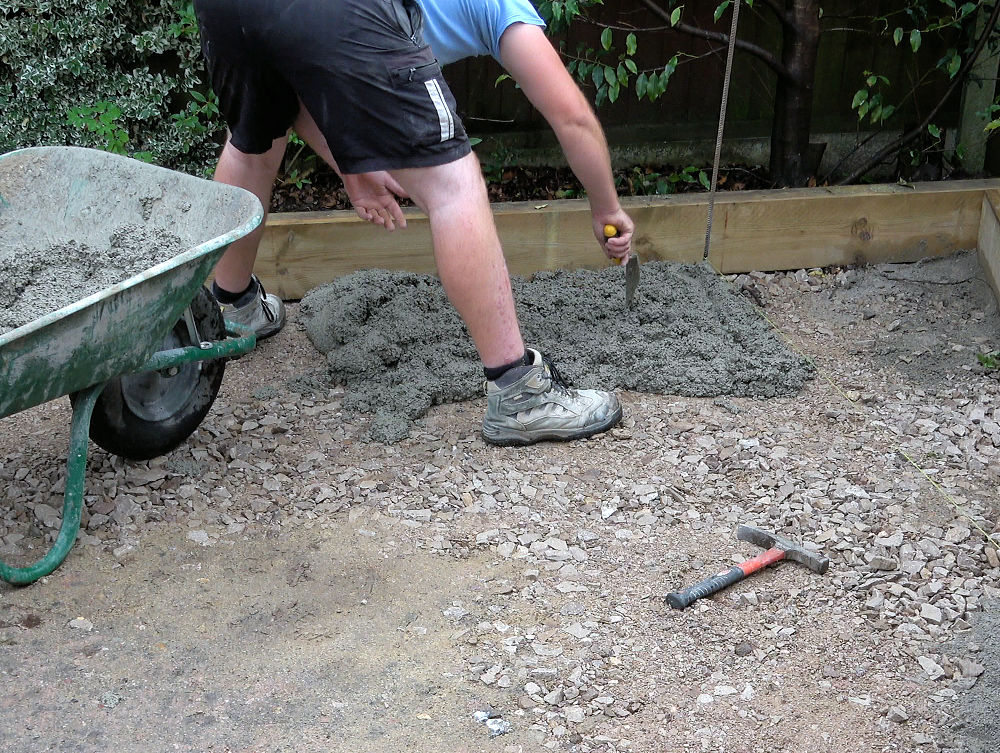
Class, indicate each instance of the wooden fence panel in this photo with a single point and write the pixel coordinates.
(691, 102)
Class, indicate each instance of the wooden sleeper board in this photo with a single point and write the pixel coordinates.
(752, 230)
(989, 242)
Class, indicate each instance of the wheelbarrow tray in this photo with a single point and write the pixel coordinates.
(83, 195)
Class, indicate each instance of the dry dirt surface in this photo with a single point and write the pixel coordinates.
(282, 583)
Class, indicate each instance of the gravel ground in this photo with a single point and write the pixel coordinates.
(281, 583)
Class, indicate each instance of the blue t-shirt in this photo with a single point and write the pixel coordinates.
(458, 29)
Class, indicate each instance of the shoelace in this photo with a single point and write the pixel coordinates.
(271, 316)
(557, 378)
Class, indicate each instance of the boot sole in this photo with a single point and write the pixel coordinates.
(511, 438)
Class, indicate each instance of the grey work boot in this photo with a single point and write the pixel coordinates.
(262, 312)
(532, 403)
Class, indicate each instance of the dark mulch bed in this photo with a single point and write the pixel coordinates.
(324, 190)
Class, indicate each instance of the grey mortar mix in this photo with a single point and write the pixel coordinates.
(41, 275)
(398, 346)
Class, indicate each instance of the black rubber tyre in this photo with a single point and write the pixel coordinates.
(143, 416)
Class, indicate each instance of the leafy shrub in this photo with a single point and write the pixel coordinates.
(120, 75)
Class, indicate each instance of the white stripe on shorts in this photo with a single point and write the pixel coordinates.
(445, 119)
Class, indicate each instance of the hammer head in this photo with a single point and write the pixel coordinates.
(793, 551)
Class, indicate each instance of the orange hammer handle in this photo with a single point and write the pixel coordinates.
(762, 560)
(707, 587)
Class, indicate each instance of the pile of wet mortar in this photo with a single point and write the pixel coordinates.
(39, 275)
(398, 347)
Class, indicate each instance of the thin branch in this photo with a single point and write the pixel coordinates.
(847, 156)
(714, 36)
(910, 135)
(762, 54)
(911, 94)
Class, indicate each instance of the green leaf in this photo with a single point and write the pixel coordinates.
(703, 179)
(887, 112)
(863, 110)
(597, 75)
(631, 44)
(675, 15)
(720, 9)
(933, 130)
(860, 97)
(897, 35)
(622, 75)
(915, 40)
(610, 76)
(871, 80)
(640, 85)
(656, 85)
(606, 38)
(992, 126)
(954, 64)
(613, 91)
(630, 64)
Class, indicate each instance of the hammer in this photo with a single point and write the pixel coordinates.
(778, 548)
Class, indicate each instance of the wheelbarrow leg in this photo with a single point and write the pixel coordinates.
(76, 471)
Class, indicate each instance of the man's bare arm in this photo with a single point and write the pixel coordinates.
(529, 57)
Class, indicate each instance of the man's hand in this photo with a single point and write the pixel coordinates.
(374, 198)
(618, 246)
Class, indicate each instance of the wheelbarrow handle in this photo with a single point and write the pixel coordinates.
(76, 471)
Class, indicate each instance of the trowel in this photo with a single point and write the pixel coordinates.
(631, 278)
(631, 268)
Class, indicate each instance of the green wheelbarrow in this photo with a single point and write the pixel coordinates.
(142, 360)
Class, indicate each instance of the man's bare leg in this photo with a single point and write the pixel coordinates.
(256, 173)
(468, 254)
(526, 402)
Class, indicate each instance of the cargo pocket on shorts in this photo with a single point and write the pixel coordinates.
(427, 113)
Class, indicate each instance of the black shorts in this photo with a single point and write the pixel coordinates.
(360, 67)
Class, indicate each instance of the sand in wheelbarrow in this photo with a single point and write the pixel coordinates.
(398, 347)
(40, 275)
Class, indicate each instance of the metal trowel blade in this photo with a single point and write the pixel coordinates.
(631, 278)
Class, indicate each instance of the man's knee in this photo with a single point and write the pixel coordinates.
(269, 159)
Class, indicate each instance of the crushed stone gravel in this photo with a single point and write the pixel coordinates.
(282, 581)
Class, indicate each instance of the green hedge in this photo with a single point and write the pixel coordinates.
(120, 75)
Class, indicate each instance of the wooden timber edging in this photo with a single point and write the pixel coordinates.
(770, 230)
(989, 240)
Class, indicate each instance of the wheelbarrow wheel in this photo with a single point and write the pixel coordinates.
(143, 416)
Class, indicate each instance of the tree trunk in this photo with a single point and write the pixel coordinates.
(791, 157)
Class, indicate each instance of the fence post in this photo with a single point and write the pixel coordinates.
(977, 95)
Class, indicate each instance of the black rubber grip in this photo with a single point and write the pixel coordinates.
(681, 599)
